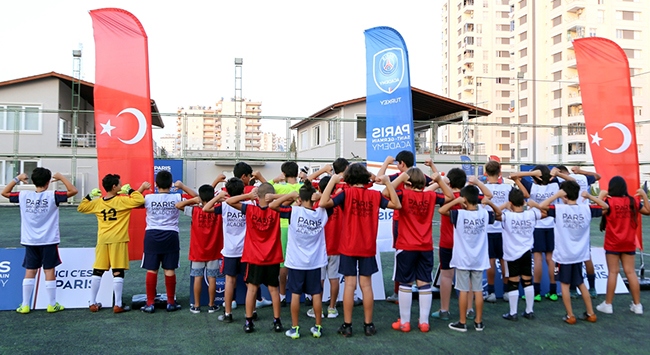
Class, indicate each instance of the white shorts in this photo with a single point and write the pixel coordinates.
(331, 271)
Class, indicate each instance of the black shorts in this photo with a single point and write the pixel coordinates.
(495, 246)
(521, 266)
(358, 265)
(570, 274)
(620, 252)
(268, 275)
(444, 255)
(304, 281)
(169, 261)
(233, 266)
(544, 240)
(46, 256)
(395, 229)
(158, 241)
(413, 265)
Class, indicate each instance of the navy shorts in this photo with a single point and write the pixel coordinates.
(413, 265)
(544, 240)
(495, 246)
(570, 274)
(268, 275)
(304, 281)
(620, 252)
(46, 256)
(158, 241)
(169, 261)
(445, 258)
(233, 266)
(358, 265)
(521, 266)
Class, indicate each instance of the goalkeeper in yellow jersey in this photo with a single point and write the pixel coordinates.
(113, 213)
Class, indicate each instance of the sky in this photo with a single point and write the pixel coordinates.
(299, 56)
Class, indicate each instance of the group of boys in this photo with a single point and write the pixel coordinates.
(291, 237)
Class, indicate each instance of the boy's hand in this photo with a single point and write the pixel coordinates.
(428, 162)
(269, 198)
(315, 196)
(641, 192)
(280, 178)
(585, 194)
(23, 177)
(434, 178)
(145, 186)
(294, 195)
(472, 180)
(555, 171)
(221, 177)
(94, 193)
(256, 174)
(575, 169)
(253, 194)
(561, 193)
(389, 159)
(125, 189)
(178, 184)
(335, 178)
(56, 177)
(485, 201)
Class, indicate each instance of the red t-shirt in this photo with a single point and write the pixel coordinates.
(206, 235)
(401, 187)
(333, 228)
(414, 229)
(620, 231)
(361, 209)
(262, 244)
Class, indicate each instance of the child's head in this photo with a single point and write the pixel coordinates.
(516, 198)
(493, 168)
(562, 169)
(235, 186)
(243, 171)
(322, 184)
(457, 178)
(617, 187)
(289, 169)
(164, 179)
(470, 193)
(206, 193)
(405, 157)
(41, 177)
(356, 174)
(571, 188)
(546, 175)
(265, 189)
(339, 165)
(416, 178)
(111, 183)
(306, 191)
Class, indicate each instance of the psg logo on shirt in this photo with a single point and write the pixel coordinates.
(388, 69)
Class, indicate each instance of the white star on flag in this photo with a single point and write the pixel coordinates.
(107, 128)
(595, 139)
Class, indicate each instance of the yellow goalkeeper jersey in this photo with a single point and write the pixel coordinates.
(113, 216)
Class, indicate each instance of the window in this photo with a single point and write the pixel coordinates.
(557, 57)
(637, 110)
(523, 152)
(557, 3)
(628, 34)
(523, 136)
(522, 4)
(523, 103)
(633, 53)
(523, 119)
(523, 36)
(627, 15)
(315, 135)
(557, 94)
(500, 27)
(28, 118)
(577, 128)
(22, 166)
(505, 93)
(557, 39)
(486, 68)
(557, 131)
(503, 80)
(577, 148)
(523, 68)
(503, 147)
(556, 21)
(557, 149)
(505, 134)
(505, 120)
(331, 130)
(503, 54)
(592, 32)
(361, 127)
(304, 140)
(636, 91)
(557, 75)
(557, 113)
(523, 86)
(600, 16)
(504, 67)
(523, 52)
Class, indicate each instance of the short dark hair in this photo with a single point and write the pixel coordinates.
(235, 186)
(265, 189)
(493, 168)
(306, 191)
(457, 178)
(406, 157)
(41, 176)
(356, 174)
(242, 169)
(416, 178)
(206, 193)
(339, 165)
(562, 169)
(516, 197)
(164, 179)
(322, 184)
(571, 188)
(109, 181)
(289, 169)
(546, 175)
(470, 193)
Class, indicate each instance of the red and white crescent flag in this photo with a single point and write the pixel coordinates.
(123, 107)
(604, 76)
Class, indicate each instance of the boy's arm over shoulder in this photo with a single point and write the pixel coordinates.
(6, 192)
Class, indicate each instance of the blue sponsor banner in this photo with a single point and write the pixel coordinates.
(467, 168)
(174, 166)
(389, 111)
(11, 278)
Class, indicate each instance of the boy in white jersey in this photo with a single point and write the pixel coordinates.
(518, 227)
(470, 252)
(161, 243)
(39, 231)
(495, 239)
(306, 255)
(572, 221)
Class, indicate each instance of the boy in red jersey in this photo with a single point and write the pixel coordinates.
(262, 250)
(414, 245)
(361, 207)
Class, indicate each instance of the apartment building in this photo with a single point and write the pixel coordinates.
(272, 142)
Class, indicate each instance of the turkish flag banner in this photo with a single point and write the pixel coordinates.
(123, 107)
(604, 76)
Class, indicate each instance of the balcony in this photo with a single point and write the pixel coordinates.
(468, 7)
(575, 6)
(86, 140)
(574, 99)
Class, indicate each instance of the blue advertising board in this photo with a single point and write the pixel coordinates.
(174, 166)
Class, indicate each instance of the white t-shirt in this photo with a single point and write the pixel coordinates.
(518, 230)
(571, 233)
(470, 250)
(234, 230)
(584, 186)
(499, 197)
(539, 193)
(39, 223)
(162, 213)
(306, 239)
